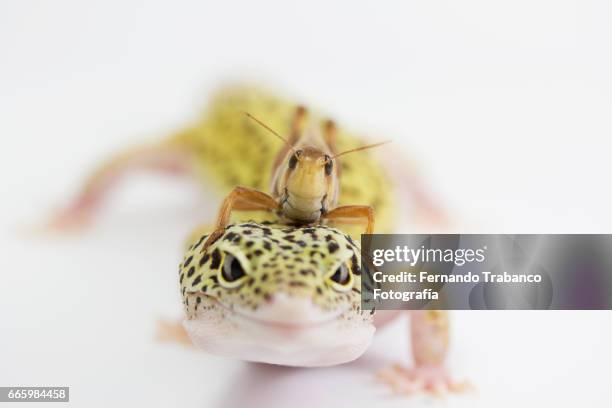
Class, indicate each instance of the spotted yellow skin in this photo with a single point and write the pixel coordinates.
(228, 149)
(299, 262)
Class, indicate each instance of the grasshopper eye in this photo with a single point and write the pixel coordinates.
(293, 160)
(232, 272)
(342, 279)
(329, 165)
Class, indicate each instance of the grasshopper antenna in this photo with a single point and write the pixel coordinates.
(268, 128)
(357, 149)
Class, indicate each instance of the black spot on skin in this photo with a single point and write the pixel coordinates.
(332, 247)
(250, 244)
(202, 238)
(197, 281)
(289, 238)
(267, 231)
(285, 247)
(216, 259)
(328, 237)
(190, 272)
(257, 291)
(230, 236)
(301, 243)
(267, 245)
(187, 261)
(297, 284)
(182, 277)
(247, 232)
(198, 300)
(308, 230)
(204, 259)
(258, 252)
(319, 290)
(264, 277)
(306, 272)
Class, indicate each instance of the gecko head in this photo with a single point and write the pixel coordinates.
(277, 294)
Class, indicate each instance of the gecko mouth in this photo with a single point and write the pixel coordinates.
(288, 331)
(285, 314)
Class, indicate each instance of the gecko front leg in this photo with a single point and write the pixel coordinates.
(172, 332)
(430, 338)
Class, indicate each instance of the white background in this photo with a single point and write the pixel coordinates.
(505, 105)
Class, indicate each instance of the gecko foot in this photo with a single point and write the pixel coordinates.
(432, 379)
(172, 332)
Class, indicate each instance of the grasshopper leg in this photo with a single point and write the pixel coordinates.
(352, 213)
(240, 199)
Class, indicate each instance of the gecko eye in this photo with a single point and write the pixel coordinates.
(342, 279)
(294, 159)
(232, 272)
(329, 165)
